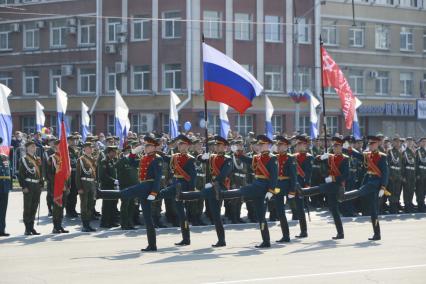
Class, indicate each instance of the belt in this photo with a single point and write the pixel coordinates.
(4, 177)
(177, 176)
(163, 177)
(87, 179)
(32, 180)
(283, 178)
(316, 166)
(261, 177)
(422, 167)
(201, 175)
(395, 168)
(240, 175)
(150, 179)
(372, 174)
(410, 168)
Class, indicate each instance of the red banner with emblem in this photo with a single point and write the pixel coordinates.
(333, 77)
(63, 168)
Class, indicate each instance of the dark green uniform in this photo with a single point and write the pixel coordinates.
(251, 213)
(421, 179)
(72, 198)
(395, 178)
(49, 183)
(5, 187)
(196, 207)
(30, 178)
(409, 180)
(238, 180)
(107, 177)
(85, 180)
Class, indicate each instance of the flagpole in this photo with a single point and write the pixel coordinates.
(206, 131)
(323, 98)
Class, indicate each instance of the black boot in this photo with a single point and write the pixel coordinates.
(33, 231)
(303, 227)
(220, 231)
(108, 194)
(152, 240)
(339, 227)
(178, 192)
(285, 230)
(63, 229)
(27, 229)
(184, 227)
(266, 243)
(85, 228)
(393, 208)
(56, 228)
(376, 229)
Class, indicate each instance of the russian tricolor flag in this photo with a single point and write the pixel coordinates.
(5, 120)
(227, 82)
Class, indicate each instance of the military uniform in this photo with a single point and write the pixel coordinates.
(72, 197)
(85, 180)
(49, 183)
(318, 172)
(30, 178)
(238, 180)
(421, 179)
(108, 180)
(409, 179)
(395, 178)
(197, 206)
(5, 187)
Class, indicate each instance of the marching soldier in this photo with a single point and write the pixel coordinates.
(375, 181)
(31, 181)
(421, 175)
(85, 180)
(338, 173)
(251, 211)
(47, 153)
(72, 197)
(395, 174)
(317, 173)
(108, 180)
(238, 178)
(196, 207)
(5, 187)
(169, 204)
(409, 175)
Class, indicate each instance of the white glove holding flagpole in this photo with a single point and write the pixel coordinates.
(381, 192)
(328, 179)
(150, 197)
(205, 156)
(137, 150)
(269, 195)
(324, 156)
(208, 185)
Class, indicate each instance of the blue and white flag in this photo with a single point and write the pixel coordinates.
(122, 122)
(40, 117)
(5, 120)
(224, 121)
(61, 108)
(355, 127)
(174, 118)
(269, 111)
(314, 115)
(85, 121)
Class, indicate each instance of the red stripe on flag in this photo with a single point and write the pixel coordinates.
(223, 94)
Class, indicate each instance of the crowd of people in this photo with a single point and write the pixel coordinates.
(192, 178)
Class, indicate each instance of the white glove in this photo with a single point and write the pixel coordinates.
(116, 182)
(346, 145)
(137, 150)
(328, 179)
(290, 196)
(268, 195)
(150, 197)
(234, 148)
(205, 156)
(324, 156)
(208, 185)
(274, 148)
(381, 193)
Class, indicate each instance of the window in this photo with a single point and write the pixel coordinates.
(112, 80)
(303, 79)
(329, 91)
(172, 25)
(273, 78)
(55, 80)
(166, 123)
(329, 33)
(141, 123)
(385, 2)
(31, 36)
(5, 37)
(6, 79)
(172, 76)
(406, 82)
(272, 29)
(332, 124)
(356, 36)
(112, 30)
(406, 38)
(28, 124)
(31, 82)
(356, 81)
(53, 122)
(213, 124)
(7, 2)
(141, 78)
(249, 68)
(409, 3)
(382, 37)
(277, 123)
(87, 80)
(141, 28)
(424, 40)
(303, 30)
(382, 83)
(244, 124)
(58, 32)
(86, 32)
(243, 27)
(212, 25)
(111, 124)
(304, 125)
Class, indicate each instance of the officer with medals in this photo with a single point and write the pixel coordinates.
(375, 181)
(338, 173)
(5, 187)
(31, 180)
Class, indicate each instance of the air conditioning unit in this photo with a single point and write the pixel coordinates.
(122, 39)
(120, 67)
(72, 30)
(110, 49)
(40, 24)
(372, 74)
(67, 70)
(15, 28)
(72, 22)
(122, 29)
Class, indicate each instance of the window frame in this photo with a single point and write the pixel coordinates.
(88, 76)
(52, 78)
(173, 20)
(276, 29)
(88, 26)
(62, 30)
(142, 74)
(208, 22)
(405, 86)
(35, 37)
(141, 21)
(34, 79)
(239, 29)
(175, 77)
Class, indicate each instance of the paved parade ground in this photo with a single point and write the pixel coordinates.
(113, 256)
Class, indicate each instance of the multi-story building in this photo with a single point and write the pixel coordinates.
(145, 48)
(383, 54)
